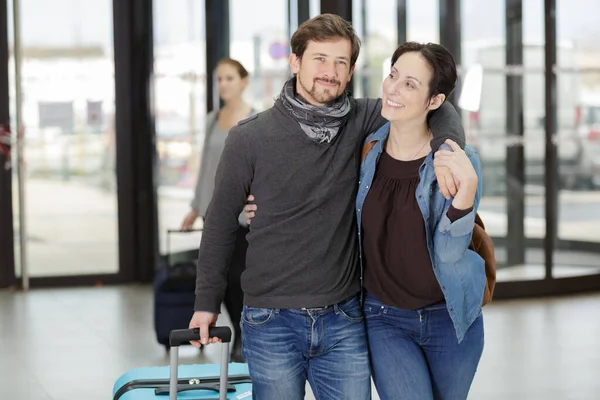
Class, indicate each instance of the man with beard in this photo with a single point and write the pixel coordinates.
(302, 317)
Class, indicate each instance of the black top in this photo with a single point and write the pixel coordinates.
(398, 268)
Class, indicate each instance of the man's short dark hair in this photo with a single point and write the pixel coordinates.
(323, 28)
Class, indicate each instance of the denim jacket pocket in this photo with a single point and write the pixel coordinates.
(256, 316)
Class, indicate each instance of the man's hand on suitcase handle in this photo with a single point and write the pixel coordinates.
(203, 320)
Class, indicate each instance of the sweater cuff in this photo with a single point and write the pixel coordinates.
(205, 303)
(455, 214)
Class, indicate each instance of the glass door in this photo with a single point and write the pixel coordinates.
(67, 108)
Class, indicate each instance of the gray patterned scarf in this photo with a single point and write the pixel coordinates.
(320, 123)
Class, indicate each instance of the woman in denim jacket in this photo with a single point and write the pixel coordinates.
(423, 286)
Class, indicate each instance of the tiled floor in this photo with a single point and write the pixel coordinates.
(67, 344)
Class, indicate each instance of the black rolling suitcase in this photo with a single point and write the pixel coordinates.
(174, 285)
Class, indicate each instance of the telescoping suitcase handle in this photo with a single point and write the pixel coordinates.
(169, 232)
(180, 336)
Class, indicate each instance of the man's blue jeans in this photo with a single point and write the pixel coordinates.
(415, 354)
(285, 347)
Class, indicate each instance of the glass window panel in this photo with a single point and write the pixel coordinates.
(262, 46)
(180, 109)
(378, 43)
(483, 101)
(578, 103)
(423, 18)
(314, 8)
(68, 110)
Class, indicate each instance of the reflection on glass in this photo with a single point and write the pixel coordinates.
(578, 80)
(262, 46)
(68, 112)
(378, 33)
(180, 111)
(484, 105)
(484, 102)
(12, 108)
(314, 8)
(423, 21)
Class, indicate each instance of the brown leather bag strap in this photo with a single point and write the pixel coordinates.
(366, 149)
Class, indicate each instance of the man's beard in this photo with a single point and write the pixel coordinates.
(326, 95)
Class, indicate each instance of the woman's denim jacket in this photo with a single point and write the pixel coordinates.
(459, 271)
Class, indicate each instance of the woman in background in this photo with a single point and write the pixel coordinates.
(232, 80)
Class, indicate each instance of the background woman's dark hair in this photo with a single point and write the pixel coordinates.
(235, 64)
(322, 28)
(441, 61)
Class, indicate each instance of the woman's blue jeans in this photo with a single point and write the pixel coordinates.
(415, 354)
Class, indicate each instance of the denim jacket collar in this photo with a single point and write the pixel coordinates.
(381, 134)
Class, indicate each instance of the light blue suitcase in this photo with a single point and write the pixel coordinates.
(187, 382)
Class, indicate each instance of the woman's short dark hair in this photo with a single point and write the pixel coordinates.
(323, 28)
(235, 64)
(441, 61)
